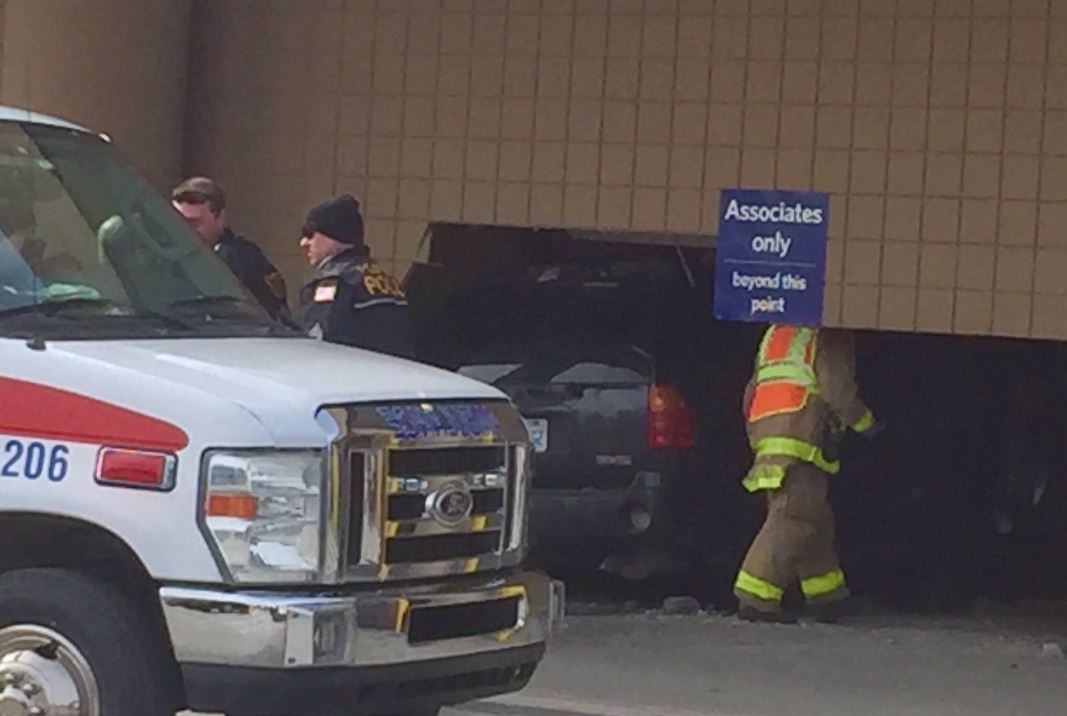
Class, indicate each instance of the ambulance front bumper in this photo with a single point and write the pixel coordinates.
(291, 630)
(381, 652)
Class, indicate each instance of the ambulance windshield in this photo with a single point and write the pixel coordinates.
(89, 249)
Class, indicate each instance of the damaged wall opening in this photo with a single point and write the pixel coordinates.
(962, 497)
(607, 345)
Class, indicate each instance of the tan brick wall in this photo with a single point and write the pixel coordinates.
(938, 126)
(117, 66)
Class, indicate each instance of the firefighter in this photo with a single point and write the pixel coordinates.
(350, 299)
(800, 401)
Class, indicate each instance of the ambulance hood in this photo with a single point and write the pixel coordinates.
(281, 382)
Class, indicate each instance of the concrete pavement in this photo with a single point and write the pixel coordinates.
(717, 666)
(523, 705)
(889, 665)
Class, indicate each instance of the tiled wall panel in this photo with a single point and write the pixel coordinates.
(939, 127)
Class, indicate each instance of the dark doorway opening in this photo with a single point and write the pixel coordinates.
(959, 499)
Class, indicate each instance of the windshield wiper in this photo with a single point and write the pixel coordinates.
(164, 318)
(58, 307)
(224, 307)
(209, 302)
(55, 306)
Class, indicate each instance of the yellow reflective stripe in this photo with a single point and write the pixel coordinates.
(823, 584)
(864, 424)
(799, 374)
(784, 371)
(799, 345)
(764, 477)
(793, 367)
(762, 352)
(757, 587)
(791, 447)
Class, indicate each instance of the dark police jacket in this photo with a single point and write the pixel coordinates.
(255, 271)
(352, 301)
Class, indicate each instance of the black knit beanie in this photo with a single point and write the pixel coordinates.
(339, 218)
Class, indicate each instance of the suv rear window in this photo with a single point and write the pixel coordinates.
(548, 337)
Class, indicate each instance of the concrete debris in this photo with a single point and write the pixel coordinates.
(678, 606)
(593, 609)
(1051, 650)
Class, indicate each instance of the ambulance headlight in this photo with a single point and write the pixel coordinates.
(263, 510)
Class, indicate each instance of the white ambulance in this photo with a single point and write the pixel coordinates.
(202, 509)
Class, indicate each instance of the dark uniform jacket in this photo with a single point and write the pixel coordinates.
(255, 271)
(352, 301)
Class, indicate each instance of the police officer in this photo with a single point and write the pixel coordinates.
(202, 204)
(350, 299)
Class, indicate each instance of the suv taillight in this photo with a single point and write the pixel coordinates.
(670, 421)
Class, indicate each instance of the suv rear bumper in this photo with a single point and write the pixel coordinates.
(598, 519)
(480, 635)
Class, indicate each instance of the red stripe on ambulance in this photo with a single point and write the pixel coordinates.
(46, 413)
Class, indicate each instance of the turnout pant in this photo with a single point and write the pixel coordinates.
(795, 543)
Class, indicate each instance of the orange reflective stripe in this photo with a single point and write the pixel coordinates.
(777, 344)
(777, 398)
(785, 374)
(786, 344)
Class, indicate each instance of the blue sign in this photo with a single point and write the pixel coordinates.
(770, 256)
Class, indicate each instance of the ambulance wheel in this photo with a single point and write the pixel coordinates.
(71, 644)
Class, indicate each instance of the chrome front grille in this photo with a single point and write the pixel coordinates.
(423, 483)
(435, 548)
(447, 461)
(423, 507)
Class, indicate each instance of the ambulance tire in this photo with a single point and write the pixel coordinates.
(102, 627)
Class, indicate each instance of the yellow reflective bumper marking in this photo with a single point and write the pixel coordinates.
(403, 607)
(518, 591)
